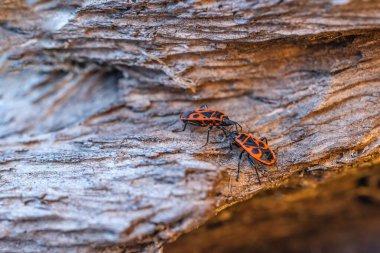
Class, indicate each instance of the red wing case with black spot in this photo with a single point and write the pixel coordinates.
(256, 148)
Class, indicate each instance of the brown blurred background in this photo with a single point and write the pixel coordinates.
(341, 215)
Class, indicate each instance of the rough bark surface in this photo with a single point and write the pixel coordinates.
(90, 92)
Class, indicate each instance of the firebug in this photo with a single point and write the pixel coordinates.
(256, 148)
(206, 117)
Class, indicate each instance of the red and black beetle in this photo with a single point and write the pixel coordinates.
(258, 149)
(206, 117)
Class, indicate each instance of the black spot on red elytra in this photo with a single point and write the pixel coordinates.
(207, 114)
(251, 143)
(255, 151)
(217, 115)
(267, 156)
(241, 137)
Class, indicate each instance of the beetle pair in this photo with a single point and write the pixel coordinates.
(255, 148)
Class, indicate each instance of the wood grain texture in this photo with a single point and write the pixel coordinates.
(91, 91)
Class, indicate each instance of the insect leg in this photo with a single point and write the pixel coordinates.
(203, 107)
(208, 135)
(184, 128)
(238, 172)
(254, 165)
(264, 139)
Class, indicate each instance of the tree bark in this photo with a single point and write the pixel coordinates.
(91, 91)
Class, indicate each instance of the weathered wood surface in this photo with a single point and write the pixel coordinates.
(91, 91)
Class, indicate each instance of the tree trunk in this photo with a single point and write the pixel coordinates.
(90, 92)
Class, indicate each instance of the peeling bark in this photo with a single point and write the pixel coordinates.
(91, 91)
